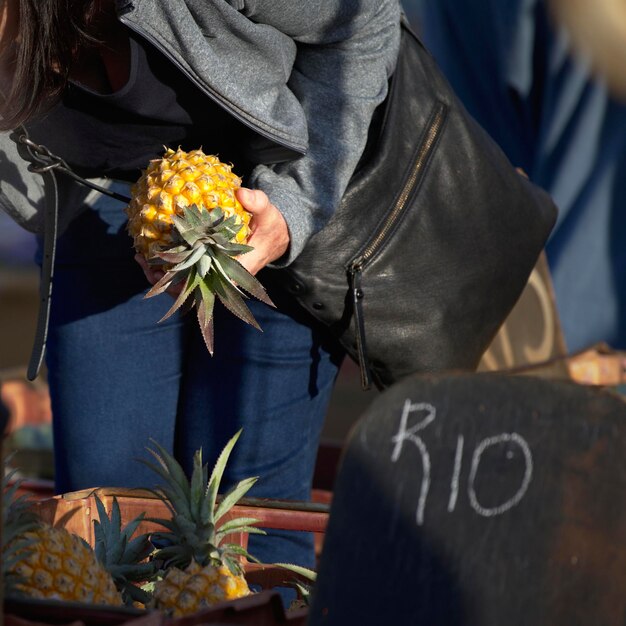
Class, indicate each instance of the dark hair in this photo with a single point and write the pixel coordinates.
(51, 32)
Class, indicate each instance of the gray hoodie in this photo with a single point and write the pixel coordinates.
(305, 75)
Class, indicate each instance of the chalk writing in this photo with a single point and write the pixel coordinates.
(405, 434)
(528, 472)
(409, 434)
(454, 484)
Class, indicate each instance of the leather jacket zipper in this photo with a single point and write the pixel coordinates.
(359, 263)
(211, 93)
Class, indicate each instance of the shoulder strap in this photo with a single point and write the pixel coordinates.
(51, 219)
(41, 165)
(44, 162)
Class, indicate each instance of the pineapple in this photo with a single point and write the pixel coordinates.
(123, 557)
(40, 561)
(184, 216)
(303, 582)
(200, 570)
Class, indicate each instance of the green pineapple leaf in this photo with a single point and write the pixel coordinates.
(192, 281)
(124, 558)
(198, 482)
(234, 494)
(205, 304)
(168, 279)
(218, 471)
(230, 297)
(193, 533)
(172, 473)
(236, 272)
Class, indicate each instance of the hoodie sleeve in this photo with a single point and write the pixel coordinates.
(346, 52)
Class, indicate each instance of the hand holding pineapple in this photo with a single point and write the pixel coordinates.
(191, 221)
(269, 237)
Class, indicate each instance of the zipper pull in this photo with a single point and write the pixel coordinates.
(354, 275)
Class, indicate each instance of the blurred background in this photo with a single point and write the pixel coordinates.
(547, 79)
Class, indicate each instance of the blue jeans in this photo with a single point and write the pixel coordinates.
(119, 379)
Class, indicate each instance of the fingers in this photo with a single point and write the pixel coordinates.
(270, 234)
(154, 276)
(269, 238)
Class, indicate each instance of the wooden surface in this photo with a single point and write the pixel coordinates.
(76, 511)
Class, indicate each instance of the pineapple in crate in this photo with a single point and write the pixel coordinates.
(46, 562)
(200, 568)
(185, 218)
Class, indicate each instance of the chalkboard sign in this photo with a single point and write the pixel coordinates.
(479, 499)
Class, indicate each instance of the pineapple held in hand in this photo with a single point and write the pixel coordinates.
(200, 568)
(184, 217)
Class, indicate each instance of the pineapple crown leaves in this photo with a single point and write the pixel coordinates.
(305, 589)
(300, 570)
(18, 516)
(18, 519)
(120, 554)
(193, 532)
(203, 257)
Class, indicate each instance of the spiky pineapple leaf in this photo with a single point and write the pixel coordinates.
(231, 555)
(186, 528)
(170, 470)
(124, 558)
(231, 298)
(251, 530)
(204, 265)
(236, 524)
(234, 494)
(105, 528)
(221, 275)
(305, 572)
(194, 256)
(234, 249)
(192, 215)
(217, 216)
(192, 281)
(171, 255)
(175, 556)
(198, 482)
(227, 225)
(205, 304)
(169, 279)
(237, 273)
(189, 233)
(218, 471)
(194, 534)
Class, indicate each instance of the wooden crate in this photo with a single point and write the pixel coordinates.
(262, 609)
(76, 511)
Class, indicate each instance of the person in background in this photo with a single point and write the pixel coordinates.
(284, 92)
(515, 70)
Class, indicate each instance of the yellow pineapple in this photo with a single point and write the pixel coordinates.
(178, 180)
(58, 564)
(199, 568)
(41, 561)
(184, 217)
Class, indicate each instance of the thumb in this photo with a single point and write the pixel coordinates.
(253, 200)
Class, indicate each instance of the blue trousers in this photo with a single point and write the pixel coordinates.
(119, 379)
